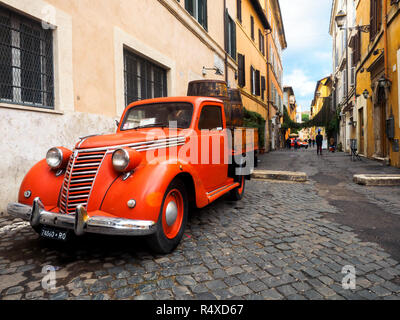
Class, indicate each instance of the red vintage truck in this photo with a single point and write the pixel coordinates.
(167, 153)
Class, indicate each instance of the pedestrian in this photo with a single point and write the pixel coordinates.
(288, 143)
(313, 143)
(319, 140)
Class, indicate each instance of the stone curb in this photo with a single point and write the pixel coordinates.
(280, 175)
(377, 179)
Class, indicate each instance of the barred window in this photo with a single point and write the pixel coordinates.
(143, 79)
(26, 61)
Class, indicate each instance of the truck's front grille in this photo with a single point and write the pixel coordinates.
(79, 178)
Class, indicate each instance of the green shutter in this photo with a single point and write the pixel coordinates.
(189, 6)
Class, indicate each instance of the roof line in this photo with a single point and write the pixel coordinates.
(261, 14)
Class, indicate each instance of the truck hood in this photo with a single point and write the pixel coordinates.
(127, 138)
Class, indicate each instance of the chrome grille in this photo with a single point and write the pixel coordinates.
(79, 178)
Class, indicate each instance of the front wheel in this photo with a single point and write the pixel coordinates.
(172, 219)
(237, 193)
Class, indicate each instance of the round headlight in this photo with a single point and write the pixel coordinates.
(120, 160)
(54, 158)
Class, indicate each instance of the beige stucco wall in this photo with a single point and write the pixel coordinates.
(89, 86)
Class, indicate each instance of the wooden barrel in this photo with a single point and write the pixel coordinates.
(237, 111)
(208, 88)
(219, 90)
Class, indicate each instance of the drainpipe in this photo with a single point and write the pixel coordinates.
(268, 87)
(385, 36)
(225, 43)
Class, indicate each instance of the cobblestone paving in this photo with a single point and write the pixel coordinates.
(275, 244)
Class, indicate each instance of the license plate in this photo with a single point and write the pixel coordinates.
(54, 234)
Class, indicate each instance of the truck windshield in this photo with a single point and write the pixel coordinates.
(177, 115)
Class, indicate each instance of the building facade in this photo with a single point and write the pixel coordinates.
(322, 98)
(69, 68)
(289, 102)
(371, 115)
(377, 117)
(251, 29)
(276, 43)
(343, 68)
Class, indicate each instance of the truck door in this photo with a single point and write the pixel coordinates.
(213, 165)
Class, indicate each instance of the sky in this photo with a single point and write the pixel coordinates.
(307, 58)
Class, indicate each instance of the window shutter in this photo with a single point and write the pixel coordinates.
(205, 8)
(258, 91)
(239, 10)
(262, 87)
(241, 70)
(252, 27)
(189, 6)
(233, 40)
(252, 80)
(372, 19)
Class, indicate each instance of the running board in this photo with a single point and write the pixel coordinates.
(217, 193)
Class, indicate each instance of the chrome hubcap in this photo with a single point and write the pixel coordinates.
(171, 213)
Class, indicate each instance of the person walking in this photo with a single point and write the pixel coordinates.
(319, 140)
(309, 142)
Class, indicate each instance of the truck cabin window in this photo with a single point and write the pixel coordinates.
(162, 115)
(210, 118)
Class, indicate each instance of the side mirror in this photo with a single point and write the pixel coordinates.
(117, 123)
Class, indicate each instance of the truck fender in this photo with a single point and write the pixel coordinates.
(147, 186)
(42, 182)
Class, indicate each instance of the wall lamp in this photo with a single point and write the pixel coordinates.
(217, 71)
(384, 83)
(353, 123)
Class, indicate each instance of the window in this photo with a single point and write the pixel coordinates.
(355, 44)
(198, 9)
(210, 118)
(375, 18)
(252, 80)
(159, 115)
(255, 81)
(263, 83)
(241, 70)
(239, 10)
(252, 27)
(261, 42)
(258, 83)
(26, 61)
(143, 79)
(230, 36)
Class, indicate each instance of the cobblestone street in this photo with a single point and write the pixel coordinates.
(282, 241)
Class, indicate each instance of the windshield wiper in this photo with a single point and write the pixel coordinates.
(161, 125)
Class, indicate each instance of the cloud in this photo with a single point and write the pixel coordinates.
(303, 85)
(306, 22)
(308, 57)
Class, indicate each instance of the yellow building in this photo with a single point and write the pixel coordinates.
(289, 102)
(251, 28)
(376, 45)
(276, 43)
(322, 92)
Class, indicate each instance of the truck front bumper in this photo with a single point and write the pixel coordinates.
(80, 222)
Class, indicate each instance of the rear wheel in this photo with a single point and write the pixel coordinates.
(172, 219)
(237, 193)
